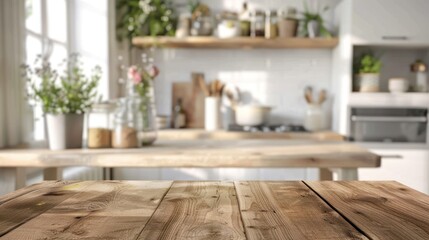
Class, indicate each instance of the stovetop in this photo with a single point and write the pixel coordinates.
(267, 128)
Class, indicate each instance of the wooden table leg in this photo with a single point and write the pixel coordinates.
(325, 174)
(53, 173)
(12, 179)
(347, 174)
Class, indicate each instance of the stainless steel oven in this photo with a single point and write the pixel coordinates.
(402, 125)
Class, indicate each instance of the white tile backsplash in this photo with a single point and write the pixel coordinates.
(266, 76)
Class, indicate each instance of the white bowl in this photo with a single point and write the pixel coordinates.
(398, 85)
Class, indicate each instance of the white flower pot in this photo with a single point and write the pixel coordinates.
(64, 131)
(368, 82)
(313, 29)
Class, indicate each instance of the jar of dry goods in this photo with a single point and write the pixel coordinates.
(100, 125)
(258, 24)
(271, 24)
(124, 134)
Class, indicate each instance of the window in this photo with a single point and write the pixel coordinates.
(46, 35)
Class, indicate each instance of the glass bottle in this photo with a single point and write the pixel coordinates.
(245, 21)
(271, 25)
(258, 24)
(179, 120)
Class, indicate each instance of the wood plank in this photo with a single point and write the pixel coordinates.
(21, 209)
(252, 153)
(289, 210)
(199, 134)
(233, 43)
(382, 210)
(35, 187)
(196, 210)
(103, 210)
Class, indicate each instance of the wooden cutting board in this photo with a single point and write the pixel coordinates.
(192, 101)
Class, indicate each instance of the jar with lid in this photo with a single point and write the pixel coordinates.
(258, 24)
(271, 24)
(99, 122)
(288, 23)
(124, 134)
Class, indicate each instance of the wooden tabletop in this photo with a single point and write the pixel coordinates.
(203, 153)
(215, 210)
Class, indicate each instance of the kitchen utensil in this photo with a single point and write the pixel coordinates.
(308, 94)
(252, 115)
(203, 85)
(322, 96)
(398, 85)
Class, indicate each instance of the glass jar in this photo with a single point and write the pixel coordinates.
(145, 120)
(99, 128)
(271, 25)
(124, 134)
(258, 24)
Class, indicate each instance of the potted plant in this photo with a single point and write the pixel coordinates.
(145, 18)
(367, 73)
(313, 24)
(64, 98)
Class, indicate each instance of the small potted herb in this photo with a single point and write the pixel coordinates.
(64, 98)
(313, 23)
(367, 73)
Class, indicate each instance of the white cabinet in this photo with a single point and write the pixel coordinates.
(391, 22)
(412, 169)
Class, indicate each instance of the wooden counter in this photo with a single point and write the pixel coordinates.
(329, 156)
(215, 210)
(194, 134)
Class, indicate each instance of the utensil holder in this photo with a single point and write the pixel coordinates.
(212, 116)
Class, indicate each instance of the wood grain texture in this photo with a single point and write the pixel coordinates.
(231, 43)
(21, 209)
(382, 210)
(204, 153)
(198, 134)
(196, 210)
(289, 210)
(35, 187)
(103, 210)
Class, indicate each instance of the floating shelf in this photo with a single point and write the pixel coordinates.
(234, 43)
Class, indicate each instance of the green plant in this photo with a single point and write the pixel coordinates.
(367, 63)
(70, 93)
(145, 18)
(314, 16)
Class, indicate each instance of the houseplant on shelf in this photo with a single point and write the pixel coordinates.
(366, 69)
(313, 23)
(64, 98)
(145, 18)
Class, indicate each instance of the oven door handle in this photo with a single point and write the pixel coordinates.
(388, 119)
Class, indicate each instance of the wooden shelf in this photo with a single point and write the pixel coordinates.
(234, 43)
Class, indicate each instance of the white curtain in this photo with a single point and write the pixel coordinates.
(12, 25)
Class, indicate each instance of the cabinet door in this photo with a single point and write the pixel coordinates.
(390, 22)
(412, 169)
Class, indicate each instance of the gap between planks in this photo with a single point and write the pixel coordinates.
(339, 212)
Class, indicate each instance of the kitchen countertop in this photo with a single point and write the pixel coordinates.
(215, 210)
(189, 134)
(203, 153)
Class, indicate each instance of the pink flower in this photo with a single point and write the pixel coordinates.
(134, 74)
(153, 71)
